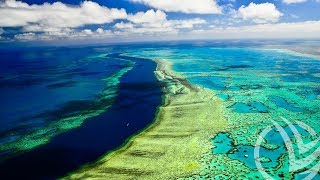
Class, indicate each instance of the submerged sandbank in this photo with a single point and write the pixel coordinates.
(173, 145)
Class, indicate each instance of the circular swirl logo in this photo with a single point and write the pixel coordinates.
(293, 145)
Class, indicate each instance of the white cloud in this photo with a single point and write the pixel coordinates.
(141, 31)
(308, 29)
(25, 36)
(123, 25)
(52, 17)
(188, 23)
(60, 21)
(47, 27)
(158, 18)
(259, 13)
(150, 19)
(294, 1)
(185, 6)
(152, 22)
(68, 34)
(150, 16)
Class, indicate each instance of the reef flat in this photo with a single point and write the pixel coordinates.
(173, 145)
(258, 88)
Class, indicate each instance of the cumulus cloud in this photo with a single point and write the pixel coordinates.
(156, 22)
(150, 16)
(293, 1)
(308, 29)
(60, 21)
(123, 25)
(259, 13)
(185, 6)
(142, 23)
(158, 18)
(56, 16)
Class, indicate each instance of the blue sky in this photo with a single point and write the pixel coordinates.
(299, 9)
(138, 20)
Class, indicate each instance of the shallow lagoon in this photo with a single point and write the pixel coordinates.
(258, 86)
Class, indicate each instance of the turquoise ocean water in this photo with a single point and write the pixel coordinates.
(49, 93)
(257, 87)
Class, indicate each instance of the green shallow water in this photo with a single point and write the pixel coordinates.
(258, 87)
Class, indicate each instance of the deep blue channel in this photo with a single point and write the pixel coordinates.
(133, 110)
